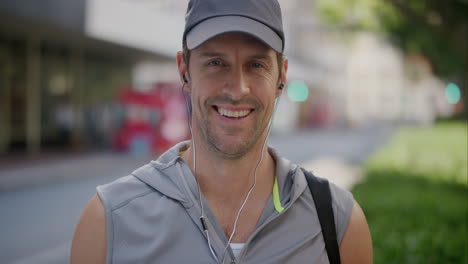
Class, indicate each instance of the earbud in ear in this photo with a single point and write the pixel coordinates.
(281, 86)
(185, 78)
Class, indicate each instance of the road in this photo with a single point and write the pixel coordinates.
(37, 221)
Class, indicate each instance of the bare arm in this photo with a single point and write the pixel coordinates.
(89, 241)
(356, 246)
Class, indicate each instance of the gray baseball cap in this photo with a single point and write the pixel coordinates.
(206, 19)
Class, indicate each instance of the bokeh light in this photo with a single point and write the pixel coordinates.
(452, 93)
(298, 91)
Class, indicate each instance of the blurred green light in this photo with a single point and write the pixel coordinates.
(452, 93)
(298, 91)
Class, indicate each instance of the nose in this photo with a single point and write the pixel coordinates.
(237, 86)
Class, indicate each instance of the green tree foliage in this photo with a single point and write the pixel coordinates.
(434, 28)
(415, 196)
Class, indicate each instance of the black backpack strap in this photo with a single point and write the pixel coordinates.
(320, 189)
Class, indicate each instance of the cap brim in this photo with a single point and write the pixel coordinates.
(216, 26)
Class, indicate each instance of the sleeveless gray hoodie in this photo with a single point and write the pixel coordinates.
(153, 216)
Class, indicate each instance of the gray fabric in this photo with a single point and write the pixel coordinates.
(206, 19)
(153, 217)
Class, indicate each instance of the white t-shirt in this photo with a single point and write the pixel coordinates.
(236, 248)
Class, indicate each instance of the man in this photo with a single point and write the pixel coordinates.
(223, 197)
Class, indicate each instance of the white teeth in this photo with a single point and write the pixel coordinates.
(228, 113)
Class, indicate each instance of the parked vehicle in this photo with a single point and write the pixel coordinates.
(151, 121)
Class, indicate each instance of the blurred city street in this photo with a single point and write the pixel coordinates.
(89, 89)
(38, 219)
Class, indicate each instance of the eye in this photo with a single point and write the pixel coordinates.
(214, 63)
(256, 65)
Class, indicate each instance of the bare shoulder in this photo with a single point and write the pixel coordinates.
(89, 240)
(356, 246)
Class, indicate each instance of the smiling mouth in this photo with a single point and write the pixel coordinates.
(233, 114)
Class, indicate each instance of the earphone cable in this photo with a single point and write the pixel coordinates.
(202, 216)
(194, 156)
(255, 180)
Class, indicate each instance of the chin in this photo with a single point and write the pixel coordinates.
(233, 150)
(232, 144)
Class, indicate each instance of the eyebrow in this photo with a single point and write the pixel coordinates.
(261, 57)
(210, 54)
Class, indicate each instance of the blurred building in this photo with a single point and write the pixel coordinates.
(375, 80)
(63, 63)
(355, 78)
(60, 71)
(384, 84)
(318, 55)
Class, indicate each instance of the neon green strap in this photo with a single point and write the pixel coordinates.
(276, 197)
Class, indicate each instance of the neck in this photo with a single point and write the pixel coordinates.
(219, 177)
(225, 184)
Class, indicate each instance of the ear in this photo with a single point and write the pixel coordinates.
(283, 78)
(182, 70)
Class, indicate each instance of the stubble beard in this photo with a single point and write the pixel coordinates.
(230, 150)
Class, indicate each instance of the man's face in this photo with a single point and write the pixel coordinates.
(233, 83)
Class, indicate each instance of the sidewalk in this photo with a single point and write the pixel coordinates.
(73, 167)
(337, 171)
(83, 166)
(333, 154)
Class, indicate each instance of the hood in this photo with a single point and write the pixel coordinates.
(171, 176)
